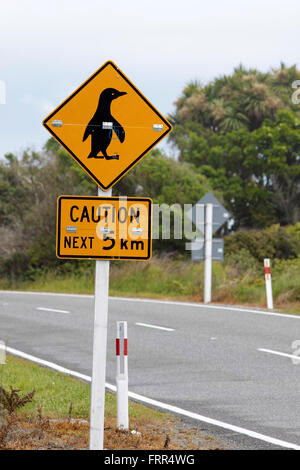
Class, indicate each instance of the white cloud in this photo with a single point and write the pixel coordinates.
(48, 49)
(43, 105)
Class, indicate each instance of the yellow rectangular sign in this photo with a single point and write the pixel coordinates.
(104, 227)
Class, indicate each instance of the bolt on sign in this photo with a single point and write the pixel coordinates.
(104, 228)
(107, 125)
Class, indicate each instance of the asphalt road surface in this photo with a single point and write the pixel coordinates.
(234, 365)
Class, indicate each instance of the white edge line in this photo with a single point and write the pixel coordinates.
(147, 325)
(52, 310)
(158, 404)
(166, 302)
(278, 353)
(46, 293)
(47, 364)
(217, 307)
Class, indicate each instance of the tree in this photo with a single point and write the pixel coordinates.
(241, 132)
(242, 100)
(277, 156)
(258, 172)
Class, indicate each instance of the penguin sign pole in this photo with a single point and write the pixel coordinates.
(99, 350)
(107, 126)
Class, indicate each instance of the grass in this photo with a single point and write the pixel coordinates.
(55, 392)
(45, 423)
(239, 280)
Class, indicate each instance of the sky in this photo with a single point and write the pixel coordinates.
(47, 49)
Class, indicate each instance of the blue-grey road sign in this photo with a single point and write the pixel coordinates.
(197, 214)
(198, 249)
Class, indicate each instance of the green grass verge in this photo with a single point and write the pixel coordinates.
(55, 391)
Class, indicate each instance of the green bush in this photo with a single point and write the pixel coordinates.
(273, 242)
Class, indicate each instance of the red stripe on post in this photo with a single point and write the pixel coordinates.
(125, 346)
(118, 347)
(267, 270)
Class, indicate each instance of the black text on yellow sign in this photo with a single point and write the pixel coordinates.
(104, 228)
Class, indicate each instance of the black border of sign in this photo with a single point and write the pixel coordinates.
(99, 198)
(169, 127)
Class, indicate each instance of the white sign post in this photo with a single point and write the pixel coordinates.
(99, 350)
(215, 216)
(268, 280)
(208, 252)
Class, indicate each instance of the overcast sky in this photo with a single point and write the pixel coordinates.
(48, 48)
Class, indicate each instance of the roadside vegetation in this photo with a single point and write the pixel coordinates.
(54, 415)
(238, 136)
(239, 280)
(58, 395)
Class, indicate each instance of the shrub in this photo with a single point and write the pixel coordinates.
(272, 242)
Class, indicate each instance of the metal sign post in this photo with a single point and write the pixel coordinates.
(208, 252)
(99, 350)
(214, 217)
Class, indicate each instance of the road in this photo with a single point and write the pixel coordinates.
(229, 364)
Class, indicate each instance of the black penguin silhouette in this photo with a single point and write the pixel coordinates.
(101, 138)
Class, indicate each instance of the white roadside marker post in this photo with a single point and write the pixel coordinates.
(268, 280)
(99, 350)
(208, 253)
(2, 362)
(122, 376)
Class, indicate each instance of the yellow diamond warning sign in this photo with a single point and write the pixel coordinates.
(103, 228)
(107, 125)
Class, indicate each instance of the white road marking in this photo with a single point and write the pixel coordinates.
(52, 310)
(147, 325)
(48, 364)
(158, 404)
(164, 302)
(216, 307)
(278, 353)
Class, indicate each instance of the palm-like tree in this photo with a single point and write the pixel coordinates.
(231, 102)
(233, 120)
